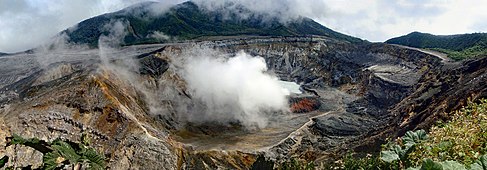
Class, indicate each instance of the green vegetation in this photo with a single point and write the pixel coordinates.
(295, 164)
(471, 52)
(460, 143)
(462, 139)
(3, 161)
(399, 152)
(368, 162)
(60, 154)
(188, 21)
(458, 47)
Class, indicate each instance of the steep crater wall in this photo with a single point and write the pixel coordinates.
(365, 93)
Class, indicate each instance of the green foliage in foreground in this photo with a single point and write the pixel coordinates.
(61, 154)
(480, 164)
(460, 143)
(3, 161)
(463, 138)
(296, 165)
(400, 150)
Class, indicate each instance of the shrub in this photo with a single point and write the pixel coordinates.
(463, 139)
(60, 154)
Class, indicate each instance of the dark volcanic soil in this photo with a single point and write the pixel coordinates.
(360, 94)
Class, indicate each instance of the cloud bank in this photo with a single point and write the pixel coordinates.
(283, 10)
(379, 20)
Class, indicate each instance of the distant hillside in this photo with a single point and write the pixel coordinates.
(188, 21)
(457, 47)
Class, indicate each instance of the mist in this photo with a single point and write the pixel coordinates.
(27, 24)
(284, 11)
(222, 88)
(233, 89)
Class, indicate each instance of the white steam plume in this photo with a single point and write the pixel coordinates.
(233, 89)
(58, 49)
(223, 89)
(108, 43)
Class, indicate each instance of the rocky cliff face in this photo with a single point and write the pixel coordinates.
(366, 92)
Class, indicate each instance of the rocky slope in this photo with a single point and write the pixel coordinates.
(367, 92)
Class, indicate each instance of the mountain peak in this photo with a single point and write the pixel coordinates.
(150, 22)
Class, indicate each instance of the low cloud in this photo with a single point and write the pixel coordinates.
(27, 24)
(58, 49)
(283, 10)
(159, 36)
(117, 30)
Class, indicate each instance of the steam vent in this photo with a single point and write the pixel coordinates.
(199, 86)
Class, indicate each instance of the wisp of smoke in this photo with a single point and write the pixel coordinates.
(159, 36)
(106, 43)
(233, 89)
(57, 49)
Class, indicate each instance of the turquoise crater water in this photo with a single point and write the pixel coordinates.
(291, 86)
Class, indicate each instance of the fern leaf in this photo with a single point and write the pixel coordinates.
(66, 151)
(95, 160)
(52, 160)
(3, 161)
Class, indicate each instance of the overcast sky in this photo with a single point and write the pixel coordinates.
(25, 24)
